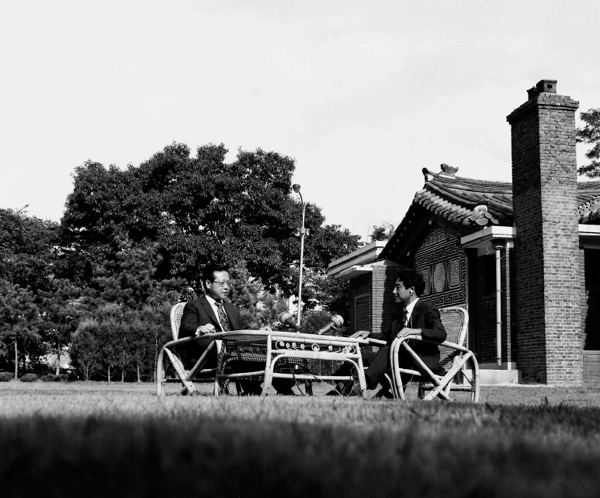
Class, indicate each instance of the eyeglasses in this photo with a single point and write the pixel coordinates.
(221, 283)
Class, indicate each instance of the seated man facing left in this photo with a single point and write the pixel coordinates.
(416, 319)
(212, 313)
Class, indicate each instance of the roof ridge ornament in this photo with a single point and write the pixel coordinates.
(448, 171)
(427, 174)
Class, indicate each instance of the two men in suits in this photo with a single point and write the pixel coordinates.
(417, 319)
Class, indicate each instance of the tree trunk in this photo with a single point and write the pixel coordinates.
(57, 358)
(108, 370)
(16, 358)
(138, 373)
(122, 375)
(156, 353)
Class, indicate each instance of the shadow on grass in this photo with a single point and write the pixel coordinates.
(380, 449)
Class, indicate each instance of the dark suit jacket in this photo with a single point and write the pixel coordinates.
(199, 312)
(426, 317)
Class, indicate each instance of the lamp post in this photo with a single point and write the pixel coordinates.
(296, 188)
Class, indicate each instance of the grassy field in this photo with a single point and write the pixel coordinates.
(99, 439)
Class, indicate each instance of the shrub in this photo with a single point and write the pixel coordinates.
(50, 378)
(5, 376)
(30, 377)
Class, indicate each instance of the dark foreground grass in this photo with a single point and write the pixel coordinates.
(85, 440)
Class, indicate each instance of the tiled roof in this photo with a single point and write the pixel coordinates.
(474, 204)
(455, 199)
(588, 200)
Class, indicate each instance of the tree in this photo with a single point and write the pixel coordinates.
(60, 310)
(590, 134)
(258, 307)
(382, 232)
(85, 348)
(327, 293)
(18, 319)
(126, 312)
(27, 249)
(200, 209)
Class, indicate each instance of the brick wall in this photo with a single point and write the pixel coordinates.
(548, 315)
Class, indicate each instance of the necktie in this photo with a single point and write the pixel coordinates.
(406, 317)
(223, 318)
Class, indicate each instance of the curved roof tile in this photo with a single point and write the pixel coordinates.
(455, 198)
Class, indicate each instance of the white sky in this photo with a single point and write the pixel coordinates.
(362, 95)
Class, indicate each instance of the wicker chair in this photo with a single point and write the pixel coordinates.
(457, 377)
(170, 352)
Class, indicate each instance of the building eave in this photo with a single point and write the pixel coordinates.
(490, 236)
(361, 257)
(589, 236)
(358, 270)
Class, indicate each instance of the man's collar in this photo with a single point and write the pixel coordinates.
(411, 306)
(212, 301)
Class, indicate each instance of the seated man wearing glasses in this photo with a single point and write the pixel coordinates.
(212, 313)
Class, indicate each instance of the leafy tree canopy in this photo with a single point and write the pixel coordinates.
(590, 134)
(382, 232)
(27, 249)
(200, 209)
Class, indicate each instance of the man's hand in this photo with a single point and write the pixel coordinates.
(360, 334)
(209, 328)
(406, 332)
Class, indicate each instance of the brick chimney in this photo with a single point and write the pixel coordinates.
(547, 283)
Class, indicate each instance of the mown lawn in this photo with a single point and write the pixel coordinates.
(98, 439)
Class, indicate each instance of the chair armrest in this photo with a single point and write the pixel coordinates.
(445, 343)
(376, 342)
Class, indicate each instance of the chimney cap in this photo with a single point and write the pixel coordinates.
(546, 86)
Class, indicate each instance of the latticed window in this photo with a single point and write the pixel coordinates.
(362, 314)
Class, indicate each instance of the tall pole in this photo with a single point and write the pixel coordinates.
(296, 188)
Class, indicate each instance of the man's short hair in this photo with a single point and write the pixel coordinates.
(411, 278)
(210, 269)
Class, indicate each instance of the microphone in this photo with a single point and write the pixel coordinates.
(287, 319)
(336, 321)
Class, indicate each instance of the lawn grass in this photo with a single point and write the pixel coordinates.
(99, 439)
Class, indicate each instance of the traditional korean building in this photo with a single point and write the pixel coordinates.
(522, 257)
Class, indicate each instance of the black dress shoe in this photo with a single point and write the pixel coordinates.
(346, 389)
(384, 393)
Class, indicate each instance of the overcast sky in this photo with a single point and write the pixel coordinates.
(362, 94)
